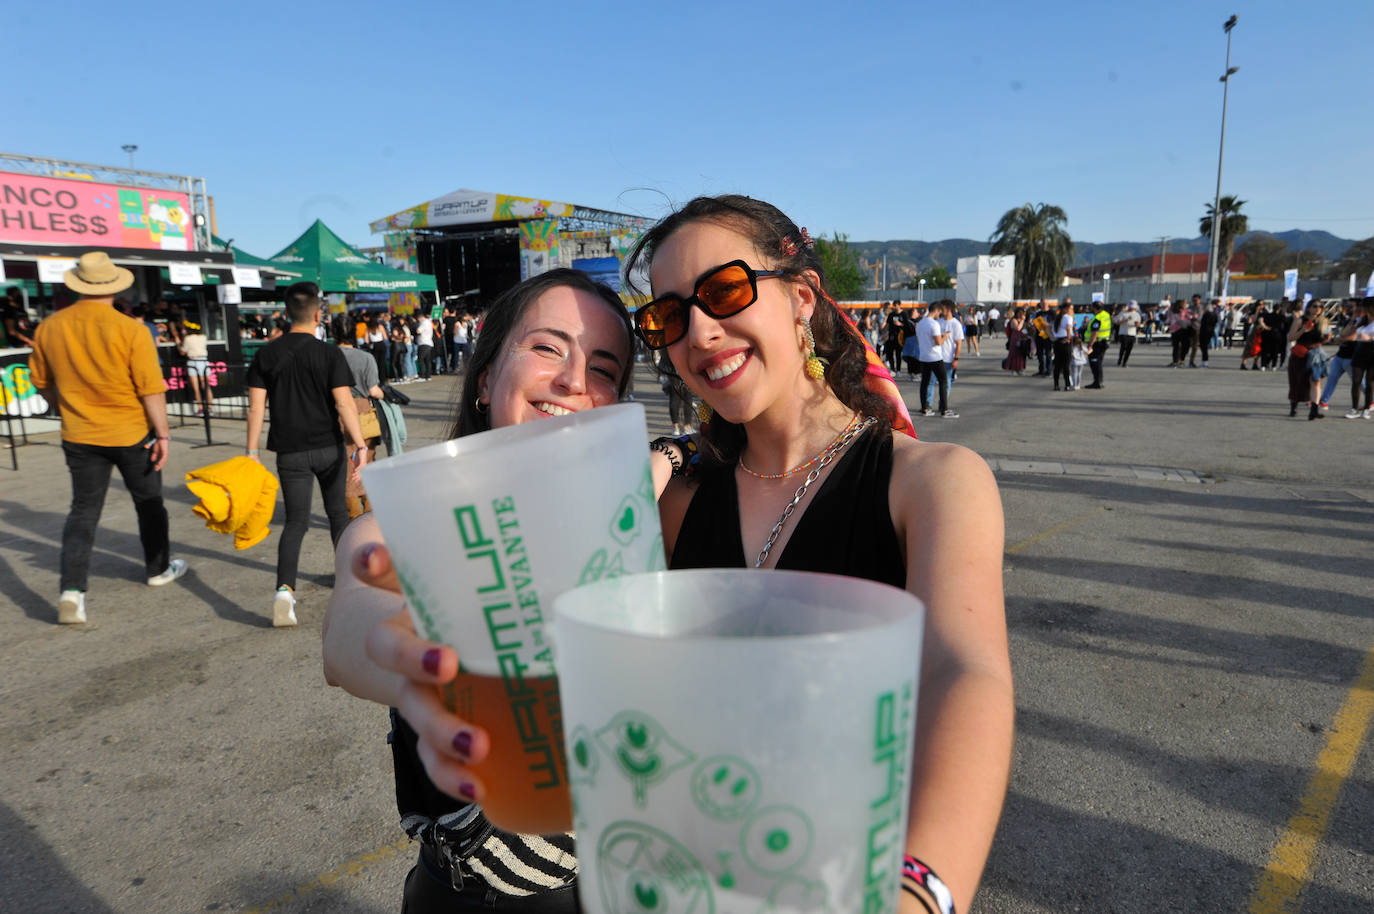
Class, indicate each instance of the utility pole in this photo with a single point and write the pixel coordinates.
(1163, 252)
(1221, 148)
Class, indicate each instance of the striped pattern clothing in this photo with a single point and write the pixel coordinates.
(523, 864)
(511, 864)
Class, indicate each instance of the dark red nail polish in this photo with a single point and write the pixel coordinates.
(462, 743)
(430, 661)
(467, 792)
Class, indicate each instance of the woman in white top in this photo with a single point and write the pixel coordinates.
(1127, 323)
(196, 348)
(460, 344)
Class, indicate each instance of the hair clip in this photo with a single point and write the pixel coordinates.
(788, 246)
(806, 238)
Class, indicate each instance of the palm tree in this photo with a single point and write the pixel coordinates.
(1036, 236)
(1233, 224)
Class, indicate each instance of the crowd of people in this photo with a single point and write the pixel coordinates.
(407, 347)
(1063, 339)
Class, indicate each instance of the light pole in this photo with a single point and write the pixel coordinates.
(1221, 148)
(130, 148)
(1106, 287)
(921, 291)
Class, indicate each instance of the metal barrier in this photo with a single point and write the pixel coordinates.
(222, 394)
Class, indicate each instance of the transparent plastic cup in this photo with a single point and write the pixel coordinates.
(485, 531)
(739, 741)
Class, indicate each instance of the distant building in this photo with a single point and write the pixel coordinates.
(1176, 268)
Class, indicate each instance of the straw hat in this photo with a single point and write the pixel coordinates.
(94, 274)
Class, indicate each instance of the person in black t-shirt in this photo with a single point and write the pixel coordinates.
(307, 383)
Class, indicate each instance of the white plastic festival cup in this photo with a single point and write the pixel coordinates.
(484, 532)
(739, 741)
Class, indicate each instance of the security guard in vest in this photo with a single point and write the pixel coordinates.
(1097, 332)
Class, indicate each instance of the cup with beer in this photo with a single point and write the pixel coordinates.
(484, 532)
(739, 740)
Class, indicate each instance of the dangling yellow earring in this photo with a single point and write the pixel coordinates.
(704, 412)
(815, 365)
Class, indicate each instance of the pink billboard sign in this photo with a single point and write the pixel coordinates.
(41, 210)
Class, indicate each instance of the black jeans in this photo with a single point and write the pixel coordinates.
(381, 353)
(1044, 355)
(1123, 355)
(938, 369)
(1063, 358)
(1183, 343)
(892, 356)
(424, 361)
(298, 471)
(1095, 360)
(90, 465)
(679, 409)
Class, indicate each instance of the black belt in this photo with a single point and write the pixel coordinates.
(445, 846)
(441, 863)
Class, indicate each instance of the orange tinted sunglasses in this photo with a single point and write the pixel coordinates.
(721, 292)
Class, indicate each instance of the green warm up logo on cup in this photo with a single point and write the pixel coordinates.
(504, 584)
(482, 547)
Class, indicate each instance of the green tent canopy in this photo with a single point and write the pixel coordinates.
(244, 259)
(324, 258)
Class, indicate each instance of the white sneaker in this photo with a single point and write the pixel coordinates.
(1369, 414)
(71, 608)
(284, 608)
(1354, 414)
(175, 569)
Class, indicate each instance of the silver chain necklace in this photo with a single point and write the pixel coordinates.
(801, 490)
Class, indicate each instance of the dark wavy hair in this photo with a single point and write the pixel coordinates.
(505, 315)
(781, 245)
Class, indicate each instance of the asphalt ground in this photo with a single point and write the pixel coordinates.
(1189, 596)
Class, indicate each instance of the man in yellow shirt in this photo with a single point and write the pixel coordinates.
(101, 368)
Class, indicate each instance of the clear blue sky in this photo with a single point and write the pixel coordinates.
(881, 120)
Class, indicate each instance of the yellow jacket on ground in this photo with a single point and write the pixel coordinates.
(236, 496)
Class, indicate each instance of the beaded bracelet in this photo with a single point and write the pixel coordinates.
(920, 881)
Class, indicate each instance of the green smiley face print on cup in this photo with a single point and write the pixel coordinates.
(739, 741)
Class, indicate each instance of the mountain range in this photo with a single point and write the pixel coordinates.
(910, 257)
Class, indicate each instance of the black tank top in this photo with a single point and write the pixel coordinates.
(847, 529)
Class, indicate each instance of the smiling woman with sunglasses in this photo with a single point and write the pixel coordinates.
(805, 466)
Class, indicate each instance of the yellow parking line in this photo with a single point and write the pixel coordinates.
(1290, 866)
(1057, 528)
(348, 870)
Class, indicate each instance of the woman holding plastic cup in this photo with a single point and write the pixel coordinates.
(804, 468)
(556, 343)
(804, 419)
